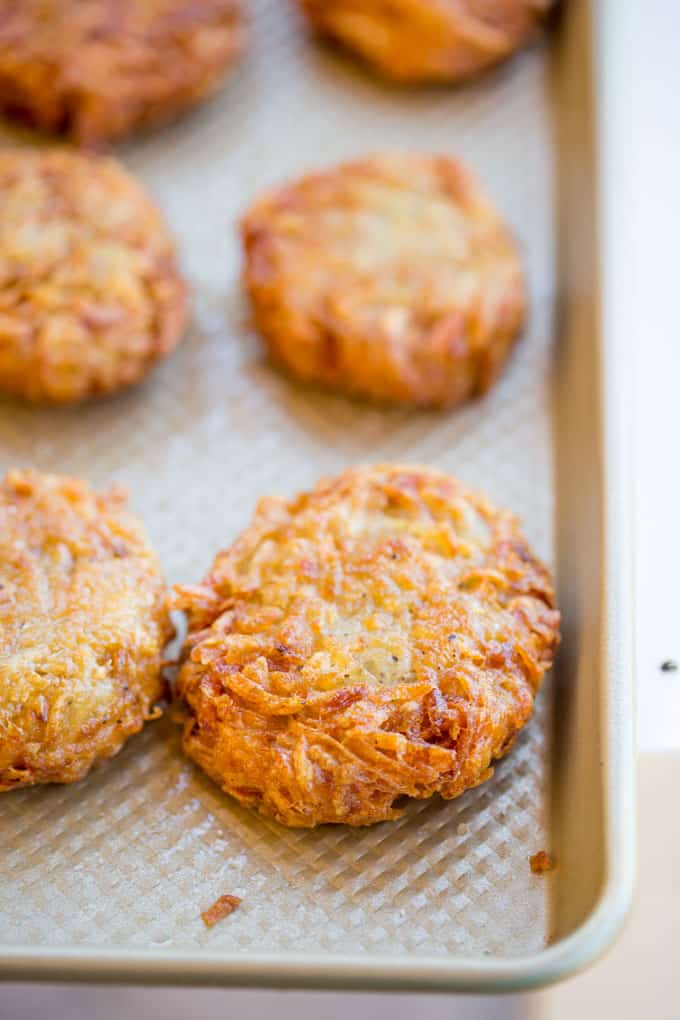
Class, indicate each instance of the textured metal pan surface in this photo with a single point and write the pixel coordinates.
(106, 878)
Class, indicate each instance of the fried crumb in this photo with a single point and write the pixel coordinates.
(221, 908)
(541, 862)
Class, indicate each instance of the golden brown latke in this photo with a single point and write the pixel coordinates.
(428, 40)
(390, 277)
(90, 293)
(98, 69)
(381, 636)
(83, 619)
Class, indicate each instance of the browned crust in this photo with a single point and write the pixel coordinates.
(91, 296)
(428, 40)
(383, 635)
(390, 277)
(221, 908)
(99, 69)
(541, 862)
(84, 620)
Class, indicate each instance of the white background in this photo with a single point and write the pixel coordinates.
(635, 980)
(647, 139)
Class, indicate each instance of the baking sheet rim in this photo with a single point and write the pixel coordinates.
(599, 929)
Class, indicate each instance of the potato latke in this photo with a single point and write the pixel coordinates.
(383, 635)
(95, 70)
(390, 277)
(83, 619)
(416, 41)
(91, 296)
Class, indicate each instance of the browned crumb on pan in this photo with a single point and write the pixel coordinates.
(221, 908)
(542, 862)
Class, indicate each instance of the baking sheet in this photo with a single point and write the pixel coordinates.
(118, 867)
